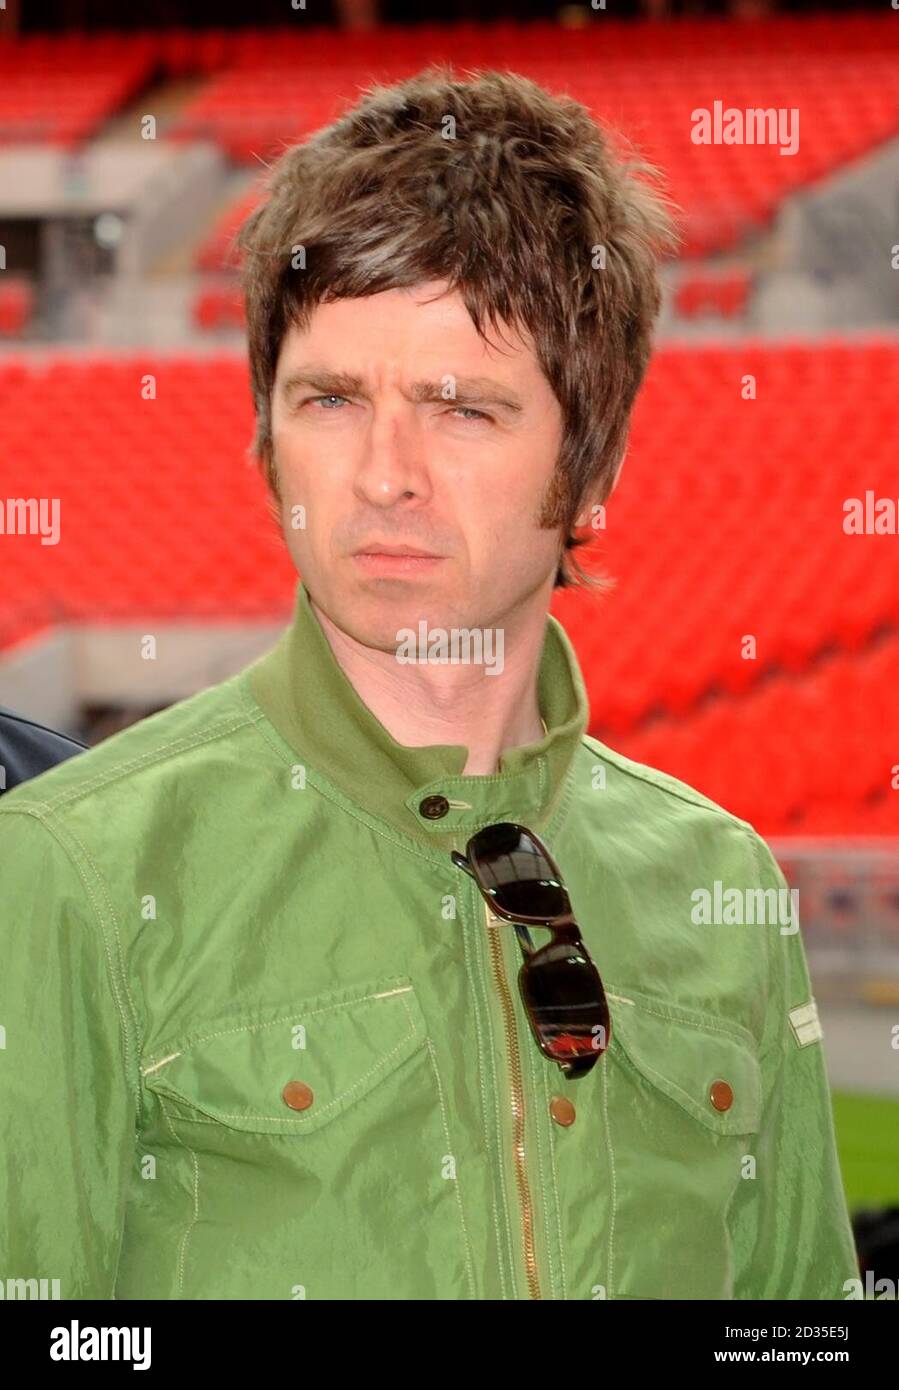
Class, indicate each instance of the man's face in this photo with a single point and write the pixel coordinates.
(395, 424)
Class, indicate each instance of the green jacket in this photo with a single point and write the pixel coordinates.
(242, 892)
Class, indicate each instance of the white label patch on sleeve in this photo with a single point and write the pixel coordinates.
(806, 1024)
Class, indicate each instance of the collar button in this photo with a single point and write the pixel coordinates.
(434, 807)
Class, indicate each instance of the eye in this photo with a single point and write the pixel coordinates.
(471, 413)
(330, 402)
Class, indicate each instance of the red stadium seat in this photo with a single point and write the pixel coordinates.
(16, 304)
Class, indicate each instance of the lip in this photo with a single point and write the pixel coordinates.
(390, 564)
(398, 550)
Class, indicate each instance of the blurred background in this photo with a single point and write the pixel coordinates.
(751, 642)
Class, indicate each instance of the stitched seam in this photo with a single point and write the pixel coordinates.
(59, 834)
(645, 1068)
(480, 945)
(175, 746)
(146, 1071)
(713, 1121)
(554, 1175)
(507, 779)
(642, 772)
(743, 1036)
(172, 748)
(483, 1095)
(771, 941)
(559, 813)
(539, 1147)
(499, 1111)
(196, 1212)
(288, 756)
(189, 1119)
(131, 1052)
(115, 927)
(488, 778)
(381, 828)
(301, 1124)
(191, 1041)
(755, 855)
(611, 1152)
(450, 1150)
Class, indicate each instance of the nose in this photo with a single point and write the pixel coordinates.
(392, 464)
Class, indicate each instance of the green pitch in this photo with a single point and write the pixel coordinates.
(868, 1141)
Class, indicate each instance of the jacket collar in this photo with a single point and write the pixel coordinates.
(303, 691)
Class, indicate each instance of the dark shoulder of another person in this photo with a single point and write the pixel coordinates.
(28, 748)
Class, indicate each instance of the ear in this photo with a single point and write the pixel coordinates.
(586, 515)
(618, 472)
(269, 466)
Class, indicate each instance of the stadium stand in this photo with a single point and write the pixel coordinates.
(218, 306)
(709, 540)
(728, 524)
(634, 80)
(16, 304)
(642, 79)
(213, 251)
(722, 294)
(61, 90)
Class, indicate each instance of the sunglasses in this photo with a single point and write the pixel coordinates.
(560, 986)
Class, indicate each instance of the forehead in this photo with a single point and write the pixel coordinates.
(427, 324)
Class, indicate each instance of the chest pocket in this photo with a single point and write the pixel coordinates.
(311, 1145)
(710, 1069)
(685, 1102)
(330, 1052)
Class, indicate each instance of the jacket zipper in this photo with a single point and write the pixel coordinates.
(494, 926)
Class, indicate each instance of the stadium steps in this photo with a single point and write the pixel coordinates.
(165, 100)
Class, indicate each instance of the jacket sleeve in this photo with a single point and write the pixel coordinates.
(67, 1084)
(791, 1228)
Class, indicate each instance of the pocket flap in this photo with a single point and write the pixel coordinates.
(692, 1057)
(337, 1046)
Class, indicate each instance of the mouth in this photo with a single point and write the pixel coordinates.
(395, 560)
(398, 550)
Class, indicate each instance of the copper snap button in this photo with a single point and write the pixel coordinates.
(562, 1110)
(433, 807)
(721, 1095)
(297, 1095)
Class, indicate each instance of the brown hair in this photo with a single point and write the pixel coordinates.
(515, 198)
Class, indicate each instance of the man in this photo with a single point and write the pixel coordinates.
(264, 1031)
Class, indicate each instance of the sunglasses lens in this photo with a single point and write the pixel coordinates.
(517, 873)
(566, 1003)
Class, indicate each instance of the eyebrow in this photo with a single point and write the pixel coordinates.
(470, 390)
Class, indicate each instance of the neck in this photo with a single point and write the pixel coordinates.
(426, 704)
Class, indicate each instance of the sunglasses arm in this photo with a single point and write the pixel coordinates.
(521, 931)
